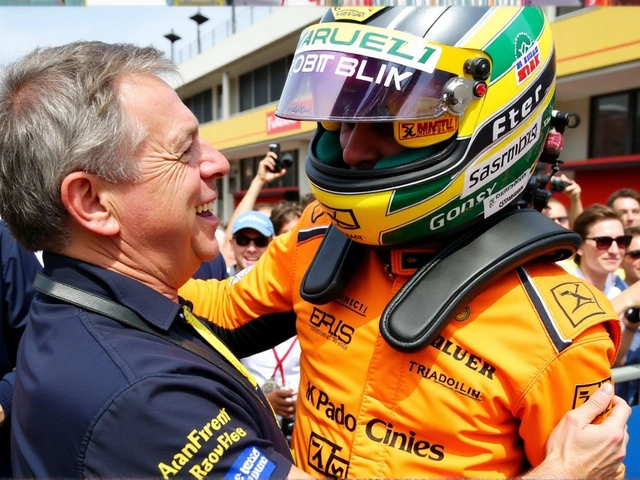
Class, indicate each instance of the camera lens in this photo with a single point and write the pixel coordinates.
(557, 185)
(287, 160)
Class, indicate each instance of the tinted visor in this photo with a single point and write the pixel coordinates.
(340, 87)
(344, 72)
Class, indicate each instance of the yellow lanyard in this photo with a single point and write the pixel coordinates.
(217, 345)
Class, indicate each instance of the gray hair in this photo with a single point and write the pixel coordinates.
(59, 114)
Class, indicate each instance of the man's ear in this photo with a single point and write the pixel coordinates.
(86, 199)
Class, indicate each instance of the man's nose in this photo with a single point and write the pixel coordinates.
(212, 162)
(365, 143)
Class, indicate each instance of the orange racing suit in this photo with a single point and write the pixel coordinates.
(479, 401)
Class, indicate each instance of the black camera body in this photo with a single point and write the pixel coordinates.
(282, 161)
(557, 185)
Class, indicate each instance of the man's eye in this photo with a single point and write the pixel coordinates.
(184, 158)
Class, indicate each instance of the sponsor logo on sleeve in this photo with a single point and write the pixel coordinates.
(209, 437)
(577, 301)
(251, 464)
(584, 390)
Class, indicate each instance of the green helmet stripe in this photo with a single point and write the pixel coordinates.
(530, 21)
(416, 194)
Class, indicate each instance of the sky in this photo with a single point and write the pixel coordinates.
(24, 28)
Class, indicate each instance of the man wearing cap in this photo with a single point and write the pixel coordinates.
(251, 234)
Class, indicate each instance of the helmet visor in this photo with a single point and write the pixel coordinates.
(346, 72)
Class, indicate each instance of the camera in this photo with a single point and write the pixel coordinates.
(561, 120)
(555, 184)
(282, 161)
(633, 315)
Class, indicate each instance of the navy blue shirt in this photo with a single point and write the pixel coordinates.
(19, 268)
(96, 398)
(216, 268)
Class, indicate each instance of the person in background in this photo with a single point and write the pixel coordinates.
(251, 232)
(225, 248)
(285, 215)
(599, 257)
(103, 169)
(557, 212)
(573, 191)
(555, 208)
(603, 247)
(264, 208)
(307, 199)
(19, 268)
(631, 259)
(626, 203)
(402, 171)
(264, 176)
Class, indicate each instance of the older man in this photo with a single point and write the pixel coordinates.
(104, 170)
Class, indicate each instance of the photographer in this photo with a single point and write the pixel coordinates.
(573, 191)
(267, 173)
(570, 188)
(605, 244)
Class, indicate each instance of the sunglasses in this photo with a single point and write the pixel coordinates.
(604, 243)
(259, 242)
(634, 254)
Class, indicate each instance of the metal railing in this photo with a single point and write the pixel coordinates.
(626, 373)
(241, 19)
